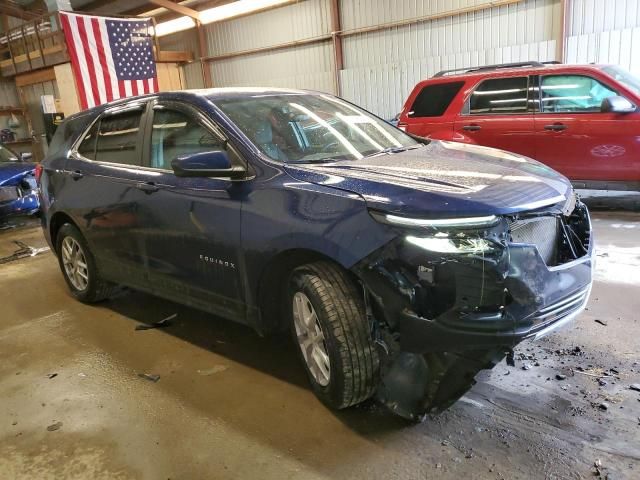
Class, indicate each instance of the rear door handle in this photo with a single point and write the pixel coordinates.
(472, 128)
(556, 127)
(147, 187)
(76, 174)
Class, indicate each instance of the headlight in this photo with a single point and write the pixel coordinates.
(438, 223)
(444, 244)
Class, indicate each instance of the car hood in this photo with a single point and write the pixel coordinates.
(12, 172)
(443, 179)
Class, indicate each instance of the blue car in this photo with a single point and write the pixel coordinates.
(400, 266)
(18, 189)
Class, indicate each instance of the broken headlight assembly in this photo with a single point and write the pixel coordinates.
(444, 235)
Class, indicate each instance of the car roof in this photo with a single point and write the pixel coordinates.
(196, 96)
(500, 71)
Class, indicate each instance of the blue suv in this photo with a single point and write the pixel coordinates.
(401, 266)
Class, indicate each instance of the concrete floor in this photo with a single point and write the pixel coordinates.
(230, 404)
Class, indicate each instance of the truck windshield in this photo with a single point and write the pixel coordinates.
(629, 80)
(301, 128)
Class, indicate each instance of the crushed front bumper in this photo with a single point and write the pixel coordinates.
(447, 316)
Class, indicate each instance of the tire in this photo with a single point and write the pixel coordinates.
(353, 363)
(85, 285)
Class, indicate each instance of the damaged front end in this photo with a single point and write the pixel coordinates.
(448, 298)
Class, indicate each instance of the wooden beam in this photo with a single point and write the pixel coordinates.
(37, 76)
(14, 10)
(174, 57)
(176, 7)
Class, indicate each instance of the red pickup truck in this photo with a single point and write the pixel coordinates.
(581, 120)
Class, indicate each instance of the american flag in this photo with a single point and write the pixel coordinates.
(111, 58)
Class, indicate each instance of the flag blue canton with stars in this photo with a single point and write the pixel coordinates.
(131, 48)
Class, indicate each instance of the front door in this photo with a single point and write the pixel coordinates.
(499, 114)
(192, 237)
(577, 139)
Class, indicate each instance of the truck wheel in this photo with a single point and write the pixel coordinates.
(79, 268)
(330, 326)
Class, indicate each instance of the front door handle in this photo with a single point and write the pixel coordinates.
(472, 128)
(147, 187)
(76, 174)
(556, 127)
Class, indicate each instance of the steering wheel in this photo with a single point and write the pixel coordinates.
(328, 147)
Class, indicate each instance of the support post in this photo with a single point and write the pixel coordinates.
(338, 57)
(203, 53)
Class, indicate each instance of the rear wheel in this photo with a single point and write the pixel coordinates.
(330, 327)
(79, 268)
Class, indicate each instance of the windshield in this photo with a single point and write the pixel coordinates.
(628, 79)
(294, 128)
(7, 155)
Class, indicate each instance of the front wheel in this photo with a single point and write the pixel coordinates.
(79, 267)
(329, 325)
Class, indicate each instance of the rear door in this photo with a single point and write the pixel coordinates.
(426, 115)
(101, 192)
(499, 113)
(576, 138)
(192, 231)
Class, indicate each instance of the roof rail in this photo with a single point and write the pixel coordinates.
(494, 67)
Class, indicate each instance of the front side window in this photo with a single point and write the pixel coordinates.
(500, 96)
(572, 93)
(300, 127)
(433, 100)
(175, 133)
(118, 139)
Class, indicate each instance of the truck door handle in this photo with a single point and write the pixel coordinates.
(472, 128)
(76, 174)
(147, 187)
(556, 127)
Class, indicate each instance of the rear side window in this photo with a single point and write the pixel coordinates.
(499, 96)
(118, 139)
(87, 147)
(433, 100)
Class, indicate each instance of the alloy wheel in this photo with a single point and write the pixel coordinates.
(311, 339)
(75, 263)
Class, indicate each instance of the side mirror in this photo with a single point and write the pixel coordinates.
(617, 104)
(215, 164)
(26, 156)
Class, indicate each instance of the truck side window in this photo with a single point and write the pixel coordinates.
(499, 96)
(572, 93)
(433, 100)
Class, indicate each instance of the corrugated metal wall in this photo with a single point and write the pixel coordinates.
(381, 68)
(308, 66)
(604, 31)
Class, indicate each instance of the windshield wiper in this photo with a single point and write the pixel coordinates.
(391, 150)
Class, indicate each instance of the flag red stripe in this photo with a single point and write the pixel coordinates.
(134, 87)
(75, 64)
(95, 24)
(123, 92)
(90, 62)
